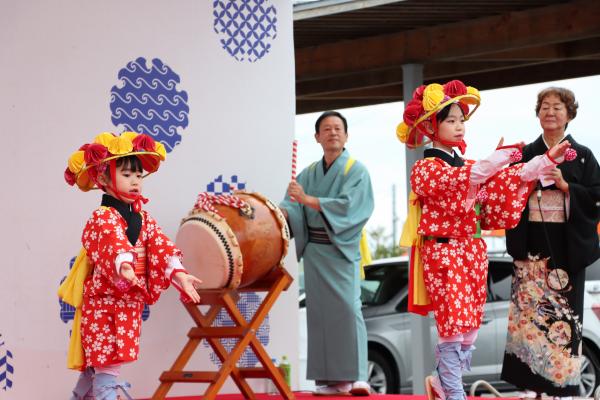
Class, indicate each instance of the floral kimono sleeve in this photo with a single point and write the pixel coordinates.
(446, 185)
(159, 249)
(504, 199)
(103, 239)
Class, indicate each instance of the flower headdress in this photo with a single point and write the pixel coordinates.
(427, 101)
(92, 159)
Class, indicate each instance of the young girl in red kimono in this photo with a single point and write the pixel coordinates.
(458, 198)
(127, 260)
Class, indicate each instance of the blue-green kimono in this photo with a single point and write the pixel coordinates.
(337, 337)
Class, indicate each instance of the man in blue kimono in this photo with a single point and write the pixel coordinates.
(326, 208)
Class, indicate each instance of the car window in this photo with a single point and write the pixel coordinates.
(403, 305)
(382, 282)
(592, 273)
(500, 279)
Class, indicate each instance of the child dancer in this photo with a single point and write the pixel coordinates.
(458, 198)
(126, 261)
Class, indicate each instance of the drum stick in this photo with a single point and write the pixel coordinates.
(294, 158)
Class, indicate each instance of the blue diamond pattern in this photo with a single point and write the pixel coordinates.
(246, 28)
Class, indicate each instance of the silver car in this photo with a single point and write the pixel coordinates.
(384, 297)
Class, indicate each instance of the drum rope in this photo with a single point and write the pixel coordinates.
(206, 202)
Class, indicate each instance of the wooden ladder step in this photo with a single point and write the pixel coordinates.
(188, 376)
(252, 373)
(217, 332)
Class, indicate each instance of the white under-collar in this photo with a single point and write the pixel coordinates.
(546, 143)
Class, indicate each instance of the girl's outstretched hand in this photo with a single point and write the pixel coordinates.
(559, 150)
(127, 272)
(189, 284)
(518, 145)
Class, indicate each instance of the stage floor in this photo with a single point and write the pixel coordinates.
(308, 395)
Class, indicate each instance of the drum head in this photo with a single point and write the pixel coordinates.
(207, 252)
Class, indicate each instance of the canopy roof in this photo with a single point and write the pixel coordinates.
(350, 52)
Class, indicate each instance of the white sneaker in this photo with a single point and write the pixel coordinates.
(527, 394)
(360, 388)
(434, 389)
(339, 389)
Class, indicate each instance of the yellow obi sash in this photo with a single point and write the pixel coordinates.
(71, 292)
(418, 298)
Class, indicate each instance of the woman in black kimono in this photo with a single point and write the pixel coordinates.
(553, 243)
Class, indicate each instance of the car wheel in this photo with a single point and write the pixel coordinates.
(382, 377)
(590, 372)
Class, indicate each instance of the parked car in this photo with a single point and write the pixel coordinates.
(384, 297)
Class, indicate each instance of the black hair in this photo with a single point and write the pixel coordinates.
(133, 163)
(443, 113)
(330, 114)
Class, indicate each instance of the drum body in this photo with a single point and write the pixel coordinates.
(237, 247)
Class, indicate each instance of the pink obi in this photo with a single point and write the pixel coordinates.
(140, 262)
(550, 208)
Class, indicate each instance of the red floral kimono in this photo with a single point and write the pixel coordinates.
(111, 318)
(454, 255)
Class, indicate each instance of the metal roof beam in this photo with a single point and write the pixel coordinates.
(328, 7)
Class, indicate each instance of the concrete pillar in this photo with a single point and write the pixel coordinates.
(422, 356)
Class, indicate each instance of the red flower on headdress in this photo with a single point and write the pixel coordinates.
(84, 147)
(70, 177)
(95, 153)
(93, 173)
(412, 112)
(418, 93)
(455, 88)
(143, 142)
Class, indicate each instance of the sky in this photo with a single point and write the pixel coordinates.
(508, 113)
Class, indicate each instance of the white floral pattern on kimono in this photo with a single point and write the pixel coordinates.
(111, 319)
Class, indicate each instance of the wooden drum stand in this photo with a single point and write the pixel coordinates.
(276, 282)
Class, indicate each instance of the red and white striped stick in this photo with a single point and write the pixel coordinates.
(294, 158)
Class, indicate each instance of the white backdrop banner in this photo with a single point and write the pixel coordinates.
(212, 80)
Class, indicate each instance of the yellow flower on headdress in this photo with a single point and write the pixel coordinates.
(76, 162)
(120, 145)
(129, 135)
(432, 96)
(105, 138)
(160, 149)
(472, 91)
(84, 165)
(402, 132)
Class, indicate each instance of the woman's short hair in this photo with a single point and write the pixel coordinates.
(565, 95)
(330, 114)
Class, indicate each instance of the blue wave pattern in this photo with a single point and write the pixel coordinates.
(6, 368)
(246, 27)
(247, 304)
(67, 311)
(148, 101)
